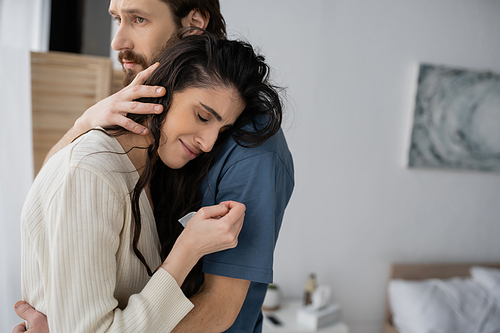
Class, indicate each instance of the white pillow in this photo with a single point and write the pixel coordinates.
(487, 276)
(458, 305)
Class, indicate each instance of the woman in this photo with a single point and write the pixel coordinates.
(90, 243)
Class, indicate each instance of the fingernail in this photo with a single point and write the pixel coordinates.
(157, 108)
(18, 304)
(159, 90)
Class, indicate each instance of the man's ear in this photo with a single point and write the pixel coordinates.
(196, 19)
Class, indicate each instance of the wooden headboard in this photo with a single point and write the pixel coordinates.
(426, 271)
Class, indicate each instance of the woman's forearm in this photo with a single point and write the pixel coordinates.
(180, 261)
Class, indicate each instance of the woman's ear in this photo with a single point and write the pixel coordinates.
(195, 19)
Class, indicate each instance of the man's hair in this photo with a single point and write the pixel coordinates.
(209, 8)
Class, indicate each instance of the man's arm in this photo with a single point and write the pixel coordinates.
(113, 110)
(37, 320)
(216, 305)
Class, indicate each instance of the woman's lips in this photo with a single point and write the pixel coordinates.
(190, 151)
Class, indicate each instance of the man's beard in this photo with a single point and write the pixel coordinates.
(134, 57)
(140, 60)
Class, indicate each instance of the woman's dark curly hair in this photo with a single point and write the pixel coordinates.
(201, 61)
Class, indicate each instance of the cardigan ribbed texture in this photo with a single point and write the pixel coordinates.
(78, 265)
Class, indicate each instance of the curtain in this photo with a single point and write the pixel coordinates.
(24, 27)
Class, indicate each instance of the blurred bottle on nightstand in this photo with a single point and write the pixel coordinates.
(309, 289)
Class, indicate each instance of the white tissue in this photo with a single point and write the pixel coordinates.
(321, 297)
(186, 218)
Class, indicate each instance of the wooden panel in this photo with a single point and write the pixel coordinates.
(426, 271)
(63, 86)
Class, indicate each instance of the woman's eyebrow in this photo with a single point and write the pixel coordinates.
(212, 111)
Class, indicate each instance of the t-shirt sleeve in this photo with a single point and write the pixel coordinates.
(86, 220)
(262, 183)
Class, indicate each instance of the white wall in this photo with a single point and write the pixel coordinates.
(112, 53)
(24, 26)
(350, 67)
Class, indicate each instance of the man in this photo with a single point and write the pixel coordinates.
(261, 177)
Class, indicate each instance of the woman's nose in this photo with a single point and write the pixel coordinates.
(207, 140)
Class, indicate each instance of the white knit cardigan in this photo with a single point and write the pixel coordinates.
(78, 266)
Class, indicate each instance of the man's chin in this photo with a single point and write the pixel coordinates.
(129, 76)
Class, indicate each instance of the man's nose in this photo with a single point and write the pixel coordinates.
(122, 40)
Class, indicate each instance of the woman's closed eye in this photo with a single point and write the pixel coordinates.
(201, 118)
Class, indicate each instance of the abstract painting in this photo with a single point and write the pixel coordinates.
(457, 120)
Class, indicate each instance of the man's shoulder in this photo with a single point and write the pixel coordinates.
(232, 152)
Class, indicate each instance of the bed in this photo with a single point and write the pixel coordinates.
(423, 272)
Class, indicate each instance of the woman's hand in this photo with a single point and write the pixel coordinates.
(211, 229)
(113, 110)
(214, 228)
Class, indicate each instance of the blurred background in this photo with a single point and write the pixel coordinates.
(351, 71)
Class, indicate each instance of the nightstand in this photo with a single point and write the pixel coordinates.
(287, 315)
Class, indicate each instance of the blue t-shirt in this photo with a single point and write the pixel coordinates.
(262, 178)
